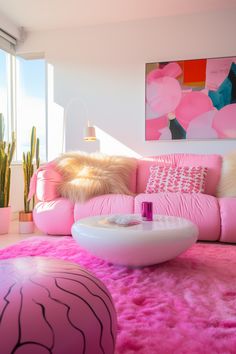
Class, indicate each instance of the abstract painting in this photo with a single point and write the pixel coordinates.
(191, 99)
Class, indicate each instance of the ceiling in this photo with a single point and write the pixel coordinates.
(62, 14)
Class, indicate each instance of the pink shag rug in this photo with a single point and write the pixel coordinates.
(187, 305)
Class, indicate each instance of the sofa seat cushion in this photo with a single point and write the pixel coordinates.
(228, 219)
(201, 209)
(55, 217)
(105, 205)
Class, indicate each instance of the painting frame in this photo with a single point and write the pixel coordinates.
(191, 99)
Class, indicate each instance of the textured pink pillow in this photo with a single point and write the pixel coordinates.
(176, 179)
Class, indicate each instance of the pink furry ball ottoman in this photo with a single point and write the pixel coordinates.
(52, 306)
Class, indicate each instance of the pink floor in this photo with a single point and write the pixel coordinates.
(187, 305)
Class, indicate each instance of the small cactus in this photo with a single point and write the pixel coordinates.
(6, 154)
(29, 167)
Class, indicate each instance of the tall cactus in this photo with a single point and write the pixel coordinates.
(28, 168)
(6, 154)
(2, 127)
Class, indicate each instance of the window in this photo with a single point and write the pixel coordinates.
(23, 100)
(30, 104)
(4, 88)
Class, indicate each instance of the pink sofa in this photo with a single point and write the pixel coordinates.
(214, 216)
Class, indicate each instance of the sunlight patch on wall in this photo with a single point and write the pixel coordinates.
(111, 146)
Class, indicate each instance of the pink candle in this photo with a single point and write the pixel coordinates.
(146, 211)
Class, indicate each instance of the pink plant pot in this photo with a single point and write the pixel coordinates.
(5, 216)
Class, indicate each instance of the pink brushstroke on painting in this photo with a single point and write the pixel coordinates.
(224, 121)
(216, 71)
(163, 90)
(202, 110)
(168, 98)
(192, 105)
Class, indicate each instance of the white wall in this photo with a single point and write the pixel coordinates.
(9, 27)
(17, 188)
(102, 68)
(99, 74)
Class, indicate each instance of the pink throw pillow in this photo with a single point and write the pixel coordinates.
(176, 179)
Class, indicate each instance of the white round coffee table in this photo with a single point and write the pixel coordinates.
(147, 243)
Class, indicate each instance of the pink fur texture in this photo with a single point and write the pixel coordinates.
(184, 306)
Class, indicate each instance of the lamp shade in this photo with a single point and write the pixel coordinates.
(89, 133)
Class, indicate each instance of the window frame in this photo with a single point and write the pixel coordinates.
(12, 100)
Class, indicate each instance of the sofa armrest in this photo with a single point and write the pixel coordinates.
(228, 220)
(44, 183)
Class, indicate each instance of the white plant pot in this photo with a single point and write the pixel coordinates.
(26, 227)
(26, 222)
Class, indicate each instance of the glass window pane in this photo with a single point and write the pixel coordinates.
(31, 104)
(4, 59)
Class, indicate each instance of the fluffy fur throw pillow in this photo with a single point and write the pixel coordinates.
(89, 175)
(227, 184)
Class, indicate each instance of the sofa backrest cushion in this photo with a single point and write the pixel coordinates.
(212, 162)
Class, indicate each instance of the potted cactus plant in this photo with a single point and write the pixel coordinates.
(30, 162)
(6, 154)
